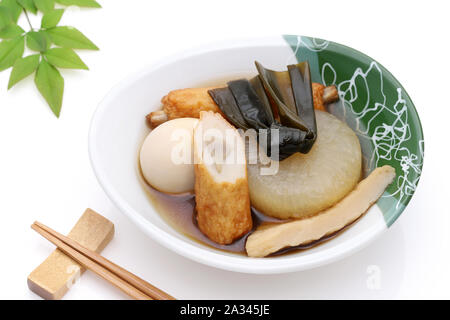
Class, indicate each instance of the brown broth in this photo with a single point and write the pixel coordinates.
(179, 212)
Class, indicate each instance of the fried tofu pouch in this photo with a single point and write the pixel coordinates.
(188, 103)
(183, 103)
(317, 90)
(221, 186)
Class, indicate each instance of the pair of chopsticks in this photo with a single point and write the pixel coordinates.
(129, 283)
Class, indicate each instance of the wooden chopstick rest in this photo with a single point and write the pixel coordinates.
(89, 264)
(99, 264)
(53, 277)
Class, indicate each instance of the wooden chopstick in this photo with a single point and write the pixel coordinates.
(129, 283)
(93, 266)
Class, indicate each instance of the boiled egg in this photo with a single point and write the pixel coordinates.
(166, 156)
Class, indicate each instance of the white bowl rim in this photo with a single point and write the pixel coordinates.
(211, 258)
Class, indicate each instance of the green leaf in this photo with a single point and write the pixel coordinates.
(69, 37)
(50, 84)
(10, 51)
(6, 17)
(51, 18)
(44, 5)
(15, 9)
(22, 68)
(38, 41)
(80, 3)
(11, 31)
(28, 5)
(65, 58)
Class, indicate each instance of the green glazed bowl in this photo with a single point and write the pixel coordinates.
(377, 108)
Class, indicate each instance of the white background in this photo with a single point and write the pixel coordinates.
(45, 172)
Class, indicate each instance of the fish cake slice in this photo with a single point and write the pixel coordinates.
(221, 186)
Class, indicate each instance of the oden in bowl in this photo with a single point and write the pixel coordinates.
(371, 102)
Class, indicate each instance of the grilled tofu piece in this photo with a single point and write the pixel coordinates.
(221, 186)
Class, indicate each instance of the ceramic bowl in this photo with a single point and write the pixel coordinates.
(372, 102)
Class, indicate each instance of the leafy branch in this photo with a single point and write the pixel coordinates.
(53, 45)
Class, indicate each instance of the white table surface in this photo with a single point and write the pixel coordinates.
(45, 172)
